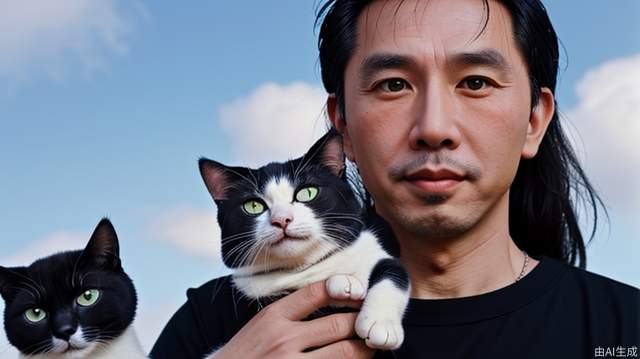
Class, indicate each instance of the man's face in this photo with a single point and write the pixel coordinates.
(437, 113)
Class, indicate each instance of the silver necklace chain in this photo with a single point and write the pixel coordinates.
(524, 266)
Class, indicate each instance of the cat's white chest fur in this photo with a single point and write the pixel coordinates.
(380, 319)
(356, 260)
(126, 346)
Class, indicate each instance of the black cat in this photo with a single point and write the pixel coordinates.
(76, 304)
(286, 225)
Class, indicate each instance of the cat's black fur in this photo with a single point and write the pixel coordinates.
(353, 240)
(55, 282)
(244, 183)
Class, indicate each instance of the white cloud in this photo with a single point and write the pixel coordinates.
(195, 232)
(274, 122)
(607, 118)
(53, 243)
(606, 121)
(37, 35)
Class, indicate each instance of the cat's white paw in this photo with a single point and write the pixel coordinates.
(380, 332)
(343, 286)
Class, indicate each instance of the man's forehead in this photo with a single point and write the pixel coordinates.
(437, 28)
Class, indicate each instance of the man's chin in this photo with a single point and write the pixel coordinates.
(435, 199)
(433, 225)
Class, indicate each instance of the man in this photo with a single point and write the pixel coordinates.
(447, 108)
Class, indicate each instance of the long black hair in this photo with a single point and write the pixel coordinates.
(549, 188)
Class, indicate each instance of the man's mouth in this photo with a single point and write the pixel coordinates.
(434, 181)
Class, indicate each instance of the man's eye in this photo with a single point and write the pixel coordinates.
(393, 85)
(475, 83)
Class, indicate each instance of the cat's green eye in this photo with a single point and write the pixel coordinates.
(35, 315)
(307, 194)
(253, 207)
(88, 297)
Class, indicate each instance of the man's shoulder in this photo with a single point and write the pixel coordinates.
(600, 289)
(215, 290)
(600, 282)
(220, 309)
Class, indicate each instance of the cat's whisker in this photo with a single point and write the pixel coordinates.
(328, 240)
(344, 234)
(38, 287)
(255, 181)
(337, 238)
(256, 251)
(340, 225)
(39, 347)
(30, 290)
(251, 181)
(351, 218)
(90, 332)
(268, 254)
(246, 249)
(242, 245)
(250, 232)
(34, 291)
(242, 248)
(342, 230)
(342, 216)
(236, 239)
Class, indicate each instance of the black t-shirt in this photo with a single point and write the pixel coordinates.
(556, 311)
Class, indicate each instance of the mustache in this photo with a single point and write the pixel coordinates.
(435, 159)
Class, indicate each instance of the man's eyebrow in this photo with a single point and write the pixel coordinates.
(489, 58)
(382, 61)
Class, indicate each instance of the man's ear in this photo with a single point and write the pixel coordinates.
(539, 121)
(340, 124)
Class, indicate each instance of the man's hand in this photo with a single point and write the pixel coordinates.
(277, 331)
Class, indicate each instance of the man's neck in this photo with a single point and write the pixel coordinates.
(482, 260)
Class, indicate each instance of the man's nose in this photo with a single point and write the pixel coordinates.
(435, 120)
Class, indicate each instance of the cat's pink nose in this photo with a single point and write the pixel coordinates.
(281, 221)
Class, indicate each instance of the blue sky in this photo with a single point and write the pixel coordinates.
(105, 107)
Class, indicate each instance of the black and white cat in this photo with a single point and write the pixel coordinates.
(73, 305)
(286, 225)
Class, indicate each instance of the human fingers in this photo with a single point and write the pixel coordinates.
(299, 304)
(344, 349)
(329, 329)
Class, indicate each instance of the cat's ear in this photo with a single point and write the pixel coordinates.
(220, 178)
(328, 151)
(10, 279)
(103, 248)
